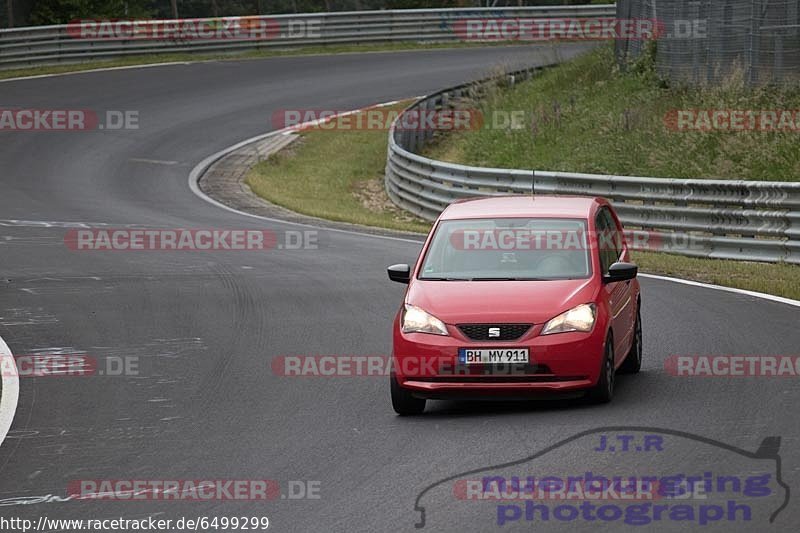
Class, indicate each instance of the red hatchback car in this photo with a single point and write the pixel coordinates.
(515, 296)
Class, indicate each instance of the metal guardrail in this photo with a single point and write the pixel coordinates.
(21, 47)
(741, 220)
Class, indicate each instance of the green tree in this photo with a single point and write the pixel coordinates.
(64, 11)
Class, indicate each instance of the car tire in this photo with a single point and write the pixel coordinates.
(633, 361)
(403, 402)
(603, 392)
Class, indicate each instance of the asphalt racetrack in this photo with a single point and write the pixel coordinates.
(204, 328)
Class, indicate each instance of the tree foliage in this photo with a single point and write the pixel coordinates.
(37, 12)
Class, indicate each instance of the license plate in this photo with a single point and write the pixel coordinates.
(493, 356)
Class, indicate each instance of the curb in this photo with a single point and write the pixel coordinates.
(219, 179)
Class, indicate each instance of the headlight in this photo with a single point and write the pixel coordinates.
(415, 320)
(579, 318)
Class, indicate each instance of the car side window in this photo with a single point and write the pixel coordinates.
(615, 236)
(606, 239)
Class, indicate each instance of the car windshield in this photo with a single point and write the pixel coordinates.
(507, 249)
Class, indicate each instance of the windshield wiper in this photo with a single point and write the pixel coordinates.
(444, 279)
(486, 279)
(510, 279)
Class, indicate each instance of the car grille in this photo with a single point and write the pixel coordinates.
(508, 332)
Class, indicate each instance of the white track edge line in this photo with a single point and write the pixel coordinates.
(103, 69)
(10, 393)
(743, 292)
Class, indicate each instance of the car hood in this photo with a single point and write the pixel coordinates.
(463, 302)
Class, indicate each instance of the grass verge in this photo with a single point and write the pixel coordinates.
(778, 279)
(338, 175)
(334, 174)
(587, 116)
(155, 59)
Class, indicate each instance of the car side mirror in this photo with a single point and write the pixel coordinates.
(400, 273)
(621, 272)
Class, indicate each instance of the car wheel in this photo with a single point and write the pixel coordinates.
(403, 402)
(603, 392)
(633, 362)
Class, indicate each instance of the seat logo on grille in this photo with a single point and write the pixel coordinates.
(494, 332)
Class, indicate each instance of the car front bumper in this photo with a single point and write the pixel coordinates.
(560, 363)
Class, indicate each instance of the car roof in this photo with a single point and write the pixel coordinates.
(524, 206)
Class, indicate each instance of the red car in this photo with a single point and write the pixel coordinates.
(516, 296)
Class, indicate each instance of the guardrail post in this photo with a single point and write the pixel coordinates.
(755, 36)
(777, 71)
(421, 128)
(417, 142)
(428, 132)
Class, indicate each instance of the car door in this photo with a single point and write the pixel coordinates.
(623, 254)
(609, 238)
